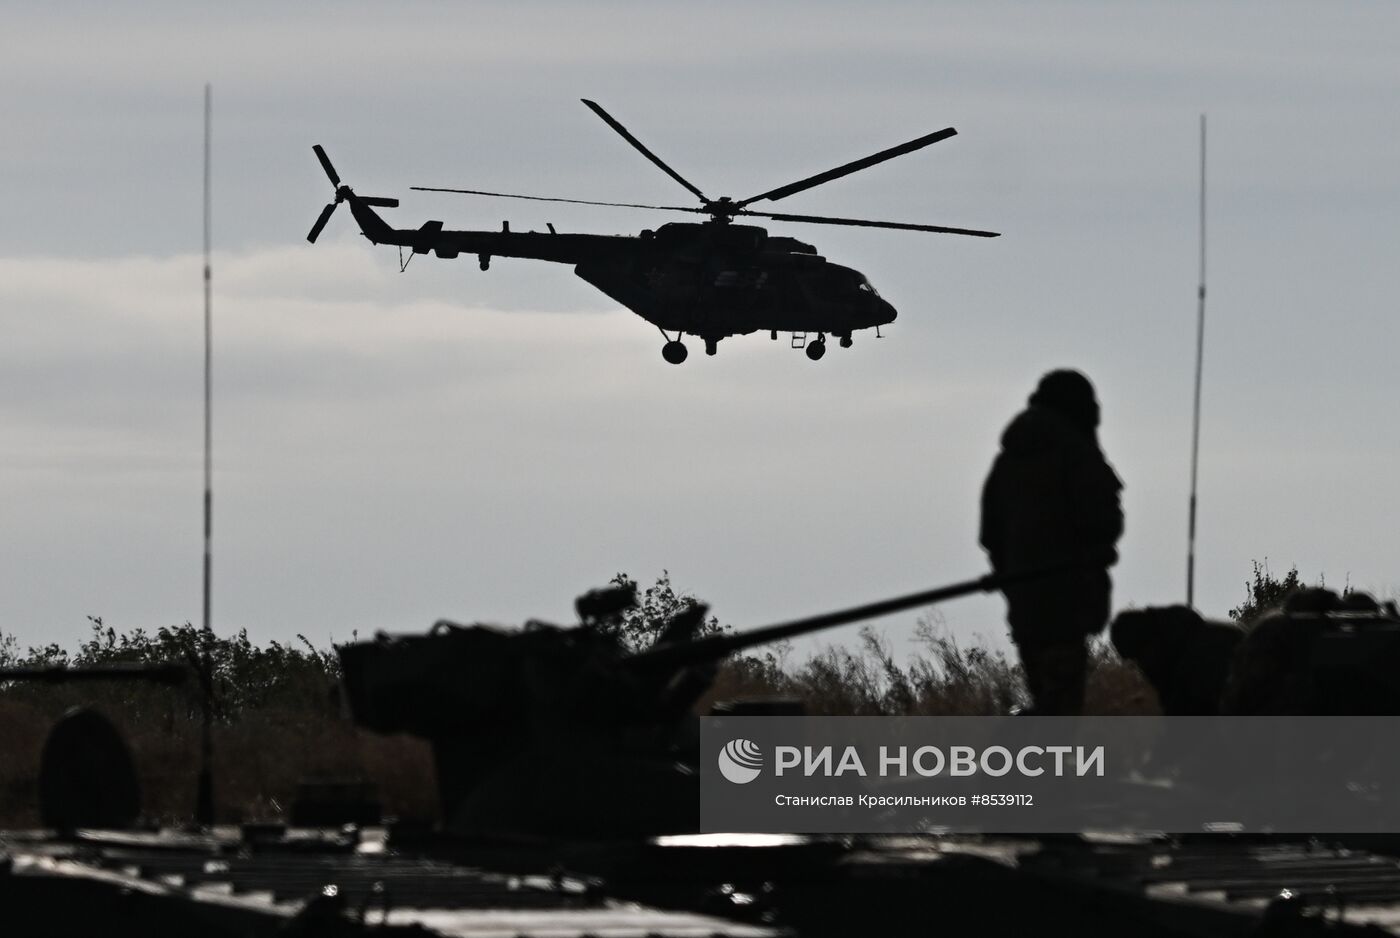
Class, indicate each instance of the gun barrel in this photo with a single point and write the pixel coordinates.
(719, 646)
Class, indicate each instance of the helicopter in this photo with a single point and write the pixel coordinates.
(710, 279)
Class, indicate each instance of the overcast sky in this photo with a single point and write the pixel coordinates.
(392, 449)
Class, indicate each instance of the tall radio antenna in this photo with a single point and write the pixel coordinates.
(1196, 409)
(204, 796)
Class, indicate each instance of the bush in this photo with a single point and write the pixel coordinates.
(1264, 592)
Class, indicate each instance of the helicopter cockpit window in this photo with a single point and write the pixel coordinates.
(848, 281)
(864, 285)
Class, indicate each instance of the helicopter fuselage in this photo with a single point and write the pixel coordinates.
(714, 280)
(711, 279)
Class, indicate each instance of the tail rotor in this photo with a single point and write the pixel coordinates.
(341, 194)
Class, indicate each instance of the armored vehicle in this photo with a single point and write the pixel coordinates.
(1319, 654)
(563, 731)
(1323, 654)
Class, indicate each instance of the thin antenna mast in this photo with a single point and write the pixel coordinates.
(208, 361)
(204, 796)
(1196, 410)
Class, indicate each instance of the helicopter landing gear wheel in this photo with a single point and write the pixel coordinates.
(815, 350)
(846, 340)
(711, 346)
(674, 351)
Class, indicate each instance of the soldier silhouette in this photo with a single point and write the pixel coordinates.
(1052, 497)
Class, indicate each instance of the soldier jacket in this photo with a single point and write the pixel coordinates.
(1051, 496)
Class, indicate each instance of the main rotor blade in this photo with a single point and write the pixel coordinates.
(379, 201)
(644, 151)
(326, 165)
(320, 223)
(541, 198)
(863, 223)
(783, 192)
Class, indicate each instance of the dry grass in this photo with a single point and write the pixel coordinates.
(276, 722)
(259, 758)
(943, 679)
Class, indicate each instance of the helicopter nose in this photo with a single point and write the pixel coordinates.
(885, 312)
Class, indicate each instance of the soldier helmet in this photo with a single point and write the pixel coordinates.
(1068, 392)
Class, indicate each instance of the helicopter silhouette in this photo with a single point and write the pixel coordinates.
(711, 279)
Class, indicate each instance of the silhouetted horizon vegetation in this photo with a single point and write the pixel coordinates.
(278, 719)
